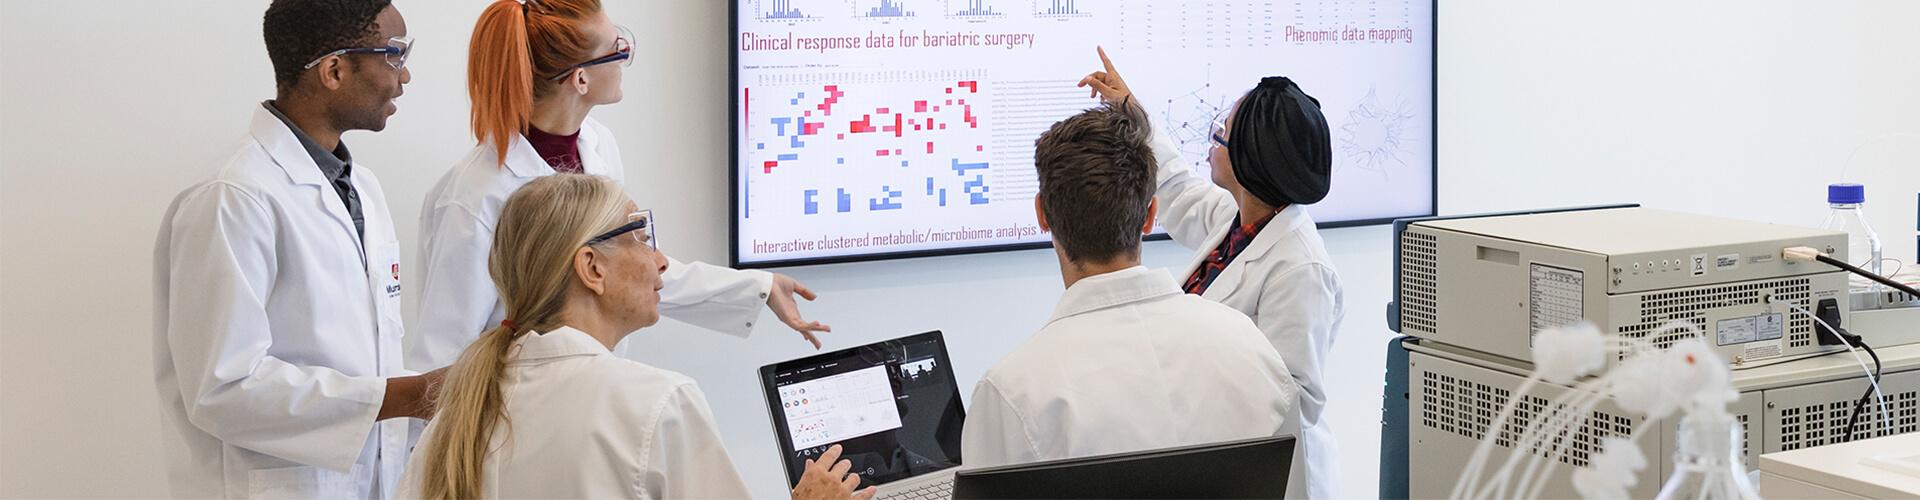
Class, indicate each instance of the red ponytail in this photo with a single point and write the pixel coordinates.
(514, 46)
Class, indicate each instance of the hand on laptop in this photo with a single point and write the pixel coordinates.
(783, 306)
(821, 482)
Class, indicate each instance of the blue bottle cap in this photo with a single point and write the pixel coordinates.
(1846, 193)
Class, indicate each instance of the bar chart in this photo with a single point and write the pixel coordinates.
(886, 9)
(972, 9)
(789, 10)
(1058, 9)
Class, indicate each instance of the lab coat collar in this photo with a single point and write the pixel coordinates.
(590, 160)
(333, 164)
(278, 140)
(1282, 226)
(562, 342)
(525, 162)
(1118, 288)
(1284, 223)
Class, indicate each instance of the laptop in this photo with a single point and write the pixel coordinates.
(892, 406)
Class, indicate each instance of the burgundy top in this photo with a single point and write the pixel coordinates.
(562, 152)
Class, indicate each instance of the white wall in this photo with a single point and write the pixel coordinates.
(1742, 109)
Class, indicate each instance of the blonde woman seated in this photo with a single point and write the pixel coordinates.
(539, 407)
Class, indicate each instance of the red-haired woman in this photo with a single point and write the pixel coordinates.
(535, 69)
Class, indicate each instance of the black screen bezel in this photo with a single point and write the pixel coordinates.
(782, 440)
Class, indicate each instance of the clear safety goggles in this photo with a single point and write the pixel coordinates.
(396, 52)
(622, 53)
(639, 224)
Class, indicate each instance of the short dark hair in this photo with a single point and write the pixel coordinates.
(299, 31)
(1096, 173)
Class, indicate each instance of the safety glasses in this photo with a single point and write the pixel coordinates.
(1219, 133)
(639, 223)
(396, 52)
(622, 53)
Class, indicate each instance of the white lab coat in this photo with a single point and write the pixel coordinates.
(588, 424)
(1128, 363)
(457, 297)
(1284, 280)
(275, 330)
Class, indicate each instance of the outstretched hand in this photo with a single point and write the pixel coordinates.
(1106, 84)
(780, 300)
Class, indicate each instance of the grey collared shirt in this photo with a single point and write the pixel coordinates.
(336, 165)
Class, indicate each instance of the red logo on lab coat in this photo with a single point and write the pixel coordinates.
(396, 271)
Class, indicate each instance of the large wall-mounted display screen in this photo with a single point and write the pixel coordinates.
(880, 128)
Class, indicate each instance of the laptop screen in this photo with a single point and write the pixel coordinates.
(892, 406)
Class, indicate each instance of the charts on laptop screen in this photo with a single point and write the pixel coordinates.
(870, 129)
(892, 407)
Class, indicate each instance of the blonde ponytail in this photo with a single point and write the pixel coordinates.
(531, 263)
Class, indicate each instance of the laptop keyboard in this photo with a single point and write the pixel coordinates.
(939, 490)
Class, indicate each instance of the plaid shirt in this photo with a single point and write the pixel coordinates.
(1222, 255)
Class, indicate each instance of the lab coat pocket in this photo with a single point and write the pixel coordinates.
(302, 482)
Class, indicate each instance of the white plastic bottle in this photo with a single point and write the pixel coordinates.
(1863, 246)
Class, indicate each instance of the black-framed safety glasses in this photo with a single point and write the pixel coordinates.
(622, 53)
(639, 223)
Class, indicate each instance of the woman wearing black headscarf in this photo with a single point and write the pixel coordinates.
(1259, 250)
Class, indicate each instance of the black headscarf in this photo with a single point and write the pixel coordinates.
(1279, 144)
